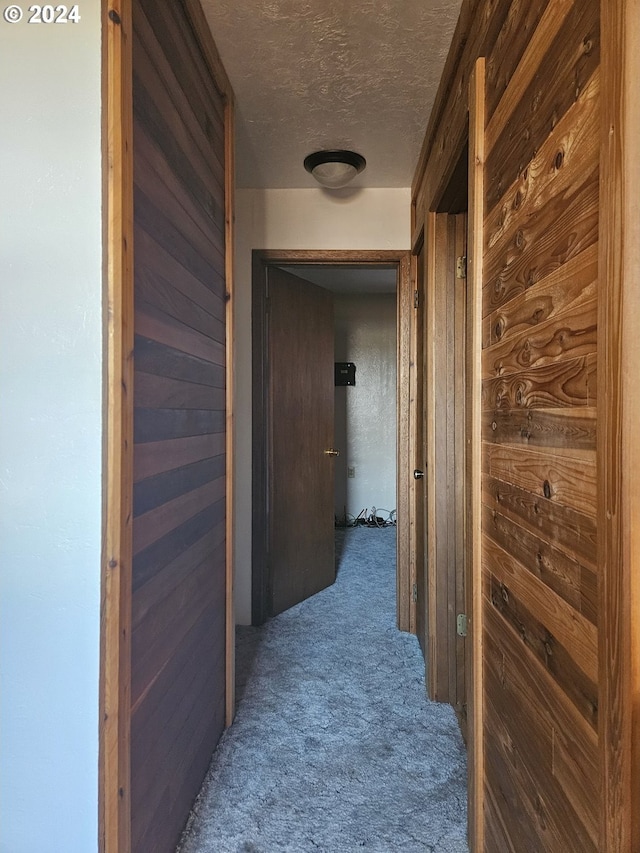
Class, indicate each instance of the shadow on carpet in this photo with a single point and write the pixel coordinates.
(335, 747)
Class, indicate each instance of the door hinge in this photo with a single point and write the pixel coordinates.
(461, 266)
(461, 625)
(414, 594)
(416, 298)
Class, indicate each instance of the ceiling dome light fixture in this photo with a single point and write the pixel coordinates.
(334, 169)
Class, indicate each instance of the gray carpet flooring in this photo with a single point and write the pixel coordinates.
(335, 747)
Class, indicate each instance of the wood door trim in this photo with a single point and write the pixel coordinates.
(114, 794)
(261, 259)
(618, 451)
(115, 616)
(405, 578)
(475, 243)
(408, 448)
(229, 200)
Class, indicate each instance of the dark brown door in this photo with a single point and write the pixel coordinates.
(300, 381)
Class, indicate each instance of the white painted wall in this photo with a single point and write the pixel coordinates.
(365, 414)
(50, 433)
(294, 219)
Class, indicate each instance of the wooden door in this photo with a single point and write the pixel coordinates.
(418, 445)
(445, 450)
(300, 365)
(457, 458)
(179, 528)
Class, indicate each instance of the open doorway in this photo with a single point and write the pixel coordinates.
(349, 277)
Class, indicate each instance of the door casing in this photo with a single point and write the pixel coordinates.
(262, 259)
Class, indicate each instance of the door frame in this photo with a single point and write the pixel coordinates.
(262, 259)
(114, 759)
(426, 209)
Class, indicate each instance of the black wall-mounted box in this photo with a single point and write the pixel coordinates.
(345, 373)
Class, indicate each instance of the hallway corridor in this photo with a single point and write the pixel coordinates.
(335, 747)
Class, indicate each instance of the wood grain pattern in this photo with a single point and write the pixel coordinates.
(542, 244)
(177, 567)
(548, 27)
(565, 476)
(562, 290)
(163, 277)
(558, 167)
(153, 559)
(162, 392)
(418, 449)
(158, 456)
(576, 634)
(558, 765)
(569, 383)
(209, 270)
(541, 642)
(552, 428)
(406, 615)
(473, 437)
(579, 785)
(441, 283)
(566, 576)
(535, 711)
(521, 22)
(213, 59)
(158, 326)
(153, 169)
(540, 816)
(180, 584)
(114, 769)
(570, 335)
(573, 531)
(149, 526)
(157, 490)
(619, 355)
(573, 55)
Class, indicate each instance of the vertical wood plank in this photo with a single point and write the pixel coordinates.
(229, 161)
(413, 430)
(459, 478)
(618, 448)
(405, 608)
(431, 478)
(475, 243)
(115, 616)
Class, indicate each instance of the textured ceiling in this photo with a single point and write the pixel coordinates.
(311, 74)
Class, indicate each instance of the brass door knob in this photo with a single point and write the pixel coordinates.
(418, 474)
(332, 452)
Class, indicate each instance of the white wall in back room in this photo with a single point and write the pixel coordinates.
(365, 414)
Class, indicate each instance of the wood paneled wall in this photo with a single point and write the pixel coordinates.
(545, 585)
(179, 618)
(540, 281)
